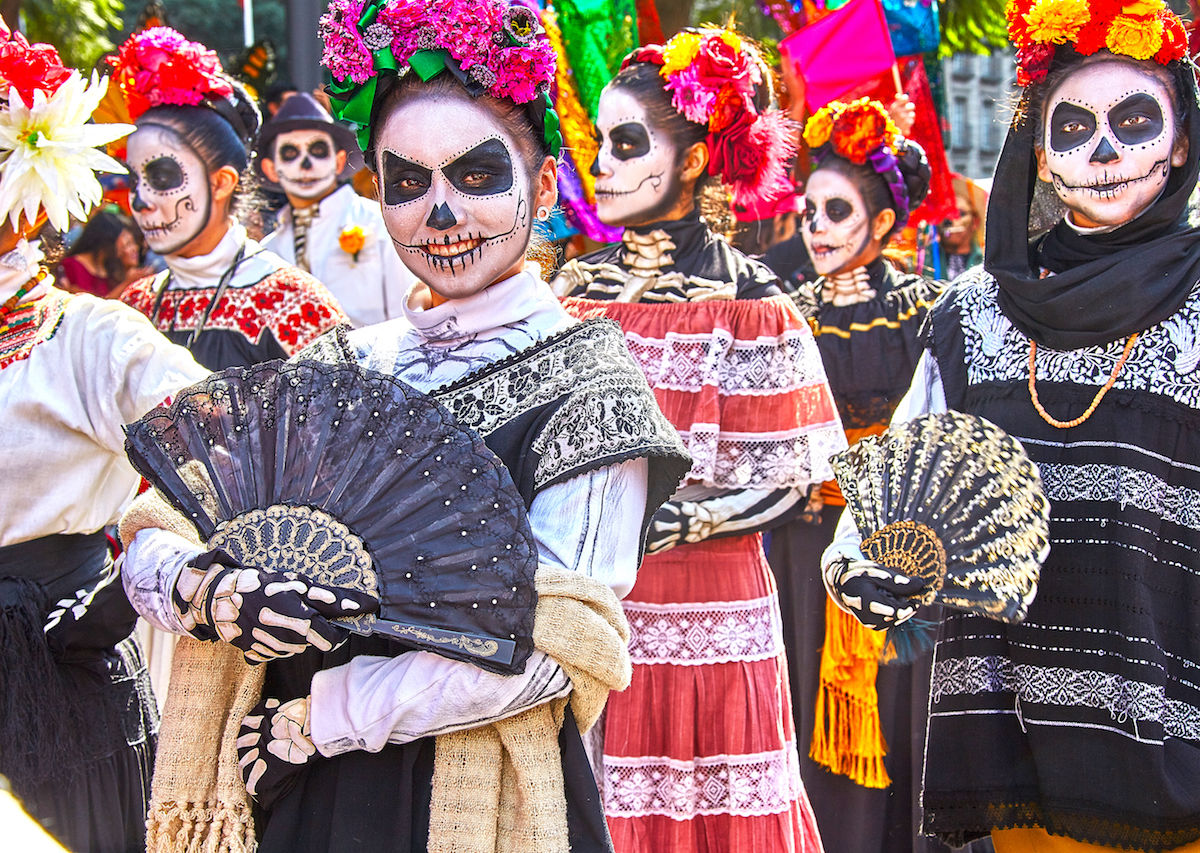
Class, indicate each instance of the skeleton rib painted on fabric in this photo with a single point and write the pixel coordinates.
(836, 227)
(306, 162)
(456, 202)
(170, 194)
(637, 177)
(1108, 143)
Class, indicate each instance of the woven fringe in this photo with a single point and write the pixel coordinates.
(848, 736)
(200, 828)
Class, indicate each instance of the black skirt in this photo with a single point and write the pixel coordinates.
(365, 802)
(852, 818)
(79, 721)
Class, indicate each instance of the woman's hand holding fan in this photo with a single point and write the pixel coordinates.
(267, 615)
(952, 502)
(877, 596)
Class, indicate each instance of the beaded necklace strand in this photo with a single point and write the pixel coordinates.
(1095, 402)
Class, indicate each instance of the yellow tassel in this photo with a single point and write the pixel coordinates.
(848, 736)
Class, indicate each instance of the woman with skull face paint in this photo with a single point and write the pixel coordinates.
(77, 718)
(222, 295)
(865, 181)
(1076, 729)
(740, 377)
(369, 746)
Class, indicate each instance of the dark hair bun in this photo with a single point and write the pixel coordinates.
(917, 174)
(247, 110)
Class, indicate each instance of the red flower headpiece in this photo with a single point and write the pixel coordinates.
(712, 74)
(29, 68)
(158, 67)
(1140, 29)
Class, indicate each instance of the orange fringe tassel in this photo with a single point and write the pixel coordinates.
(848, 737)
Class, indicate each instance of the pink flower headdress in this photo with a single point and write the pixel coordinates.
(159, 67)
(712, 74)
(489, 46)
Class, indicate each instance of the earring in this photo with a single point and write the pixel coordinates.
(543, 213)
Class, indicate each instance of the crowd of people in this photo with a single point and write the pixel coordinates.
(701, 657)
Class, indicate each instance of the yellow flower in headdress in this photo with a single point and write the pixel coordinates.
(1140, 8)
(1056, 21)
(732, 39)
(819, 128)
(679, 52)
(1138, 38)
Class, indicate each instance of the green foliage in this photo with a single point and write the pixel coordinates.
(218, 24)
(746, 13)
(972, 26)
(78, 28)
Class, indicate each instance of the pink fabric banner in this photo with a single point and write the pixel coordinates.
(838, 52)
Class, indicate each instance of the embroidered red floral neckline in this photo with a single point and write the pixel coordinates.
(25, 326)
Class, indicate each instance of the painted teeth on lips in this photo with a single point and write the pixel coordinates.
(450, 250)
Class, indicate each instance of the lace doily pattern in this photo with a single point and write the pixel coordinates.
(704, 632)
(741, 785)
(743, 383)
(1164, 361)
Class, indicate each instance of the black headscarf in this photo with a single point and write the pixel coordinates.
(1106, 286)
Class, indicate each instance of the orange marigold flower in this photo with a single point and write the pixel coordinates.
(1056, 21)
(352, 240)
(1143, 8)
(1135, 37)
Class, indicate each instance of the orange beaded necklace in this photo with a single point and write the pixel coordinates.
(1095, 401)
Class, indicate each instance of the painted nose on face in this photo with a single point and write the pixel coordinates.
(1104, 152)
(594, 171)
(137, 204)
(441, 218)
(306, 164)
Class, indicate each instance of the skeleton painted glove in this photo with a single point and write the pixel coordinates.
(876, 596)
(267, 615)
(274, 743)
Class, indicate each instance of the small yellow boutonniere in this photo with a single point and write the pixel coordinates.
(352, 240)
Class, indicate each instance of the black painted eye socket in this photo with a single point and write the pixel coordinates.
(1070, 127)
(319, 149)
(630, 140)
(1137, 120)
(838, 209)
(288, 152)
(164, 174)
(486, 169)
(402, 180)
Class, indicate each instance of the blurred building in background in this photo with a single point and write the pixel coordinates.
(980, 92)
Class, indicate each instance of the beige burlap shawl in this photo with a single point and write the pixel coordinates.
(496, 789)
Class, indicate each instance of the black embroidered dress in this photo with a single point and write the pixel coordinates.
(1084, 718)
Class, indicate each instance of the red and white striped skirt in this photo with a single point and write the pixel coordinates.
(700, 751)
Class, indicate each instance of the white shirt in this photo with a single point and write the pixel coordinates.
(590, 524)
(370, 289)
(61, 414)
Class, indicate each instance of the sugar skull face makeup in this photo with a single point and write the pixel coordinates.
(306, 162)
(170, 193)
(635, 169)
(456, 202)
(1108, 143)
(835, 224)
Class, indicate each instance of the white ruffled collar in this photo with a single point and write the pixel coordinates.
(206, 270)
(502, 304)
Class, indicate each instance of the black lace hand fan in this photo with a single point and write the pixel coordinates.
(354, 479)
(951, 499)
